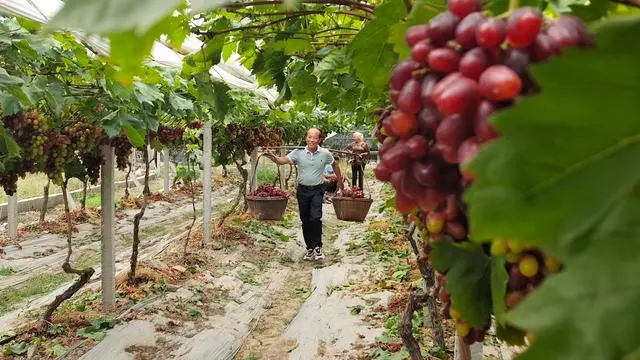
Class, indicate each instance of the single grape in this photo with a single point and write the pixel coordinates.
(452, 131)
(515, 247)
(466, 30)
(451, 209)
(443, 84)
(458, 97)
(499, 83)
(397, 177)
(382, 172)
(420, 51)
(417, 146)
(404, 205)
(428, 85)
(563, 35)
(462, 8)
(386, 145)
(454, 314)
(401, 73)
(402, 125)
(499, 247)
(395, 94)
(409, 99)
(442, 28)
(529, 266)
(415, 34)
(551, 265)
(543, 47)
(523, 26)
(444, 60)
(482, 129)
(513, 299)
(517, 60)
(449, 152)
(456, 230)
(396, 158)
(436, 221)
(474, 62)
(430, 200)
(467, 152)
(426, 172)
(490, 33)
(428, 121)
(410, 186)
(517, 281)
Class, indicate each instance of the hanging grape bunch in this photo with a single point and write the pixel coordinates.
(464, 67)
(29, 129)
(86, 137)
(167, 136)
(122, 149)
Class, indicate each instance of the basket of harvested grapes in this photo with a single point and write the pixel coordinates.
(268, 202)
(351, 205)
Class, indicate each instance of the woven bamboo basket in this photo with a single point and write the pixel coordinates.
(349, 209)
(267, 208)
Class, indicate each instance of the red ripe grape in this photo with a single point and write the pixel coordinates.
(462, 8)
(417, 146)
(467, 152)
(490, 33)
(426, 172)
(517, 281)
(449, 152)
(444, 60)
(429, 200)
(452, 131)
(458, 97)
(586, 39)
(523, 26)
(428, 121)
(474, 62)
(499, 83)
(395, 94)
(420, 51)
(415, 34)
(396, 158)
(452, 208)
(466, 30)
(443, 84)
(513, 299)
(517, 59)
(386, 145)
(481, 127)
(455, 230)
(563, 35)
(543, 47)
(428, 84)
(382, 172)
(402, 73)
(442, 28)
(409, 98)
(402, 125)
(404, 205)
(396, 179)
(410, 185)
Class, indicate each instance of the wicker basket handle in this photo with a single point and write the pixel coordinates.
(254, 169)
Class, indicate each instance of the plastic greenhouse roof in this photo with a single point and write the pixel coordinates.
(231, 72)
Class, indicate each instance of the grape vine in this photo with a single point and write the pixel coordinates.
(464, 68)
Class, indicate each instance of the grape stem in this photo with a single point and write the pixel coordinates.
(513, 5)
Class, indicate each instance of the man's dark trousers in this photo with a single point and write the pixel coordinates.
(310, 207)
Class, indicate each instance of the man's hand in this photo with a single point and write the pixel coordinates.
(341, 184)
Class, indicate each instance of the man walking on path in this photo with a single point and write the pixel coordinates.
(311, 162)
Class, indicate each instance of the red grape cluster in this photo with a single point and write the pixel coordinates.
(464, 67)
(196, 124)
(122, 149)
(354, 192)
(85, 137)
(168, 136)
(268, 190)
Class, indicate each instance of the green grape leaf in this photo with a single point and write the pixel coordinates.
(468, 271)
(135, 136)
(200, 5)
(334, 62)
(178, 103)
(421, 12)
(372, 57)
(301, 82)
(112, 16)
(560, 165)
(590, 309)
(269, 68)
(6, 79)
(214, 93)
(146, 93)
(291, 46)
(499, 279)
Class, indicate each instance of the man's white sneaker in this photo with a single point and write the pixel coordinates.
(310, 255)
(318, 254)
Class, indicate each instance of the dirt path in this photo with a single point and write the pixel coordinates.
(39, 257)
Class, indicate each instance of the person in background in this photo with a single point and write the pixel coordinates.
(360, 150)
(311, 162)
(330, 181)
